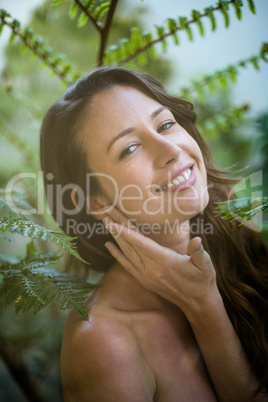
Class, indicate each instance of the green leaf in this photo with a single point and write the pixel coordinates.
(34, 231)
(82, 20)
(152, 53)
(233, 73)
(28, 32)
(31, 249)
(222, 79)
(90, 4)
(16, 24)
(210, 14)
(200, 91)
(24, 49)
(73, 10)
(142, 59)
(242, 208)
(114, 54)
(66, 68)
(160, 29)
(196, 16)
(251, 6)
(161, 33)
(39, 43)
(237, 6)
(58, 59)
(4, 14)
(55, 2)
(101, 10)
(125, 46)
(31, 284)
(184, 23)
(135, 37)
(172, 26)
(224, 7)
(12, 37)
(255, 62)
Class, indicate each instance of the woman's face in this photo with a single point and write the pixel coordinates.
(148, 165)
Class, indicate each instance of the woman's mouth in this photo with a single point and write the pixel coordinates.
(182, 182)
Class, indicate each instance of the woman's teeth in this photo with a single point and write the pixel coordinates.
(179, 179)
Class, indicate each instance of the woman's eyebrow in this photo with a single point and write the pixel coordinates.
(130, 129)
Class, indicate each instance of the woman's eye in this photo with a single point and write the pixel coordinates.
(166, 126)
(129, 150)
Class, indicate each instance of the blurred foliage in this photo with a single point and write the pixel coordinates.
(63, 41)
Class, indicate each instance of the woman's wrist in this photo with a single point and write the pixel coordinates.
(201, 312)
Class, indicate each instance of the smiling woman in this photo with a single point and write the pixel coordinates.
(177, 317)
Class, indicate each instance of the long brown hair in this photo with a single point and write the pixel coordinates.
(238, 254)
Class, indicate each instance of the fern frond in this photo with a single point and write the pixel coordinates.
(170, 28)
(32, 230)
(221, 77)
(11, 199)
(242, 208)
(36, 45)
(210, 128)
(31, 285)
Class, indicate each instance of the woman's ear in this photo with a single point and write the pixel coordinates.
(73, 195)
(97, 206)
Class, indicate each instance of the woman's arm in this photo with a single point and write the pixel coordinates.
(190, 283)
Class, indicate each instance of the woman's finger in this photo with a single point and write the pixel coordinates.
(199, 257)
(126, 246)
(119, 217)
(143, 245)
(122, 259)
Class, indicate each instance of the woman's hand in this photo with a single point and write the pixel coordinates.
(189, 281)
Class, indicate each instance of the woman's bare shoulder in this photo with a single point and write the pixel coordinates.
(101, 357)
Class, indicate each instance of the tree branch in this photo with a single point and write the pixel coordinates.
(37, 51)
(167, 34)
(106, 30)
(85, 10)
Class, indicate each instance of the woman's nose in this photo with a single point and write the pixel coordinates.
(164, 150)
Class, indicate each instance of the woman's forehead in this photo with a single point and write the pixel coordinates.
(119, 98)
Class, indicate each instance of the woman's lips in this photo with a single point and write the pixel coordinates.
(184, 185)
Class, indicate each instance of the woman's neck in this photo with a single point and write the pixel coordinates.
(121, 291)
(124, 292)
